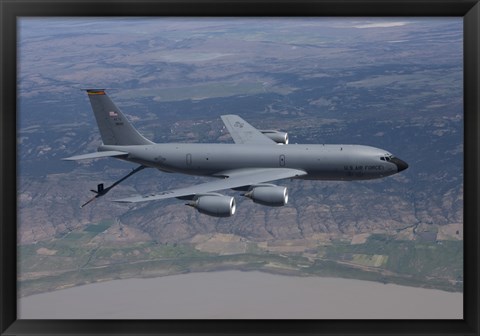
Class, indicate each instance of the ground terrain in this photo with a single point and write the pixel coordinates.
(393, 84)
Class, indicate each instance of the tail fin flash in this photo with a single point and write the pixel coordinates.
(114, 127)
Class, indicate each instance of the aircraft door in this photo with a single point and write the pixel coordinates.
(189, 160)
(282, 160)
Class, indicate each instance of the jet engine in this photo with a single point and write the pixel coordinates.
(277, 136)
(215, 205)
(268, 194)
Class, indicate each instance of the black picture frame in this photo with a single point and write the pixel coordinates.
(10, 10)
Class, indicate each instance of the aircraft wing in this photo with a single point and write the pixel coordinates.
(231, 179)
(244, 133)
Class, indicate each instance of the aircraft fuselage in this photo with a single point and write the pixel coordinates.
(321, 162)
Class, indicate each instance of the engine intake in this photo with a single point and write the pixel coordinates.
(268, 194)
(215, 205)
(277, 136)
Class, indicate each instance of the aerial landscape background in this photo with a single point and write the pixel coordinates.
(392, 83)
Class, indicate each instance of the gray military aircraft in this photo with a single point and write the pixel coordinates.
(257, 158)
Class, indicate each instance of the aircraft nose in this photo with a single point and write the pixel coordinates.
(401, 165)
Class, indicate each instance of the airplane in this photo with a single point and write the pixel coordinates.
(257, 158)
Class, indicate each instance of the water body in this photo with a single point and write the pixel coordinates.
(242, 295)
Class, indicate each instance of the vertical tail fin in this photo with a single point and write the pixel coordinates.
(114, 127)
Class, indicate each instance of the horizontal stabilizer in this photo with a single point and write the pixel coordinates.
(96, 155)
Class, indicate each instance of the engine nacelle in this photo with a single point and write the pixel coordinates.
(277, 136)
(268, 194)
(215, 205)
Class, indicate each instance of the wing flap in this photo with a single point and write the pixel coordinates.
(244, 133)
(96, 155)
(232, 179)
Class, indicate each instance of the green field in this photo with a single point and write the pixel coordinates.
(76, 259)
